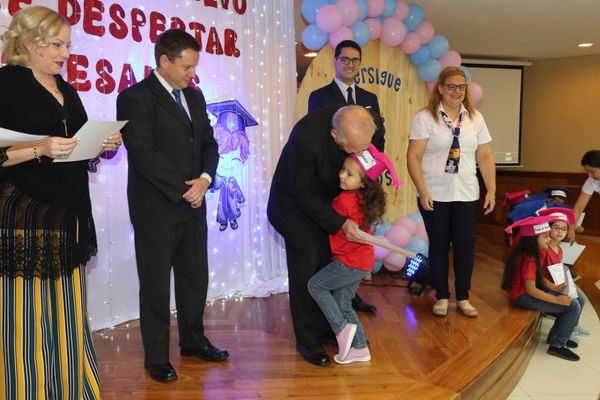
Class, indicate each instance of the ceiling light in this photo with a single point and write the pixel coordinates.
(311, 54)
(585, 44)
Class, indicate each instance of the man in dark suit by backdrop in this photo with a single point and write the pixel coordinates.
(173, 159)
(347, 58)
(343, 90)
(304, 184)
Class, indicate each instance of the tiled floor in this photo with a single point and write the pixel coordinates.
(551, 378)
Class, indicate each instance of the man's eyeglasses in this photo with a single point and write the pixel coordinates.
(453, 87)
(346, 60)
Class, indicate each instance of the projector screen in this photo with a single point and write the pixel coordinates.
(501, 107)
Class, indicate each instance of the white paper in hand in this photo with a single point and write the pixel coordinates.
(10, 138)
(91, 136)
(557, 271)
(571, 252)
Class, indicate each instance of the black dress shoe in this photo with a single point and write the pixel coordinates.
(161, 372)
(314, 355)
(360, 305)
(206, 352)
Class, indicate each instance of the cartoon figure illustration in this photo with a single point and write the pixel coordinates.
(234, 149)
(231, 199)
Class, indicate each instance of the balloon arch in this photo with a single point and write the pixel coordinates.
(394, 22)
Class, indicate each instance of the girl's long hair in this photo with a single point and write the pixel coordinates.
(527, 246)
(372, 204)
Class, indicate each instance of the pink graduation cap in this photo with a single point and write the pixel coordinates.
(374, 163)
(514, 198)
(531, 226)
(558, 214)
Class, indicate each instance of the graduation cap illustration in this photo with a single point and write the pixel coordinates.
(231, 114)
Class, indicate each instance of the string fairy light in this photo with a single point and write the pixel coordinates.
(262, 78)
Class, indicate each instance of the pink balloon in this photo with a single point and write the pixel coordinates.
(380, 252)
(343, 33)
(329, 18)
(375, 7)
(394, 262)
(476, 92)
(431, 86)
(411, 43)
(393, 32)
(350, 11)
(406, 223)
(425, 31)
(450, 59)
(422, 232)
(402, 10)
(375, 27)
(398, 235)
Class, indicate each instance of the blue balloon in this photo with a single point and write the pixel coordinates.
(313, 38)
(361, 33)
(420, 57)
(437, 46)
(309, 9)
(379, 18)
(415, 17)
(418, 245)
(466, 71)
(389, 9)
(377, 266)
(363, 9)
(381, 228)
(416, 217)
(430, 70)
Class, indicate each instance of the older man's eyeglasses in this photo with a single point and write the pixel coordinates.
(453, 87)
(346, 60)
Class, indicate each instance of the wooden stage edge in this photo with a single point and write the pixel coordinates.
(415, 355)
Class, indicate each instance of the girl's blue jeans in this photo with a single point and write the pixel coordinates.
(333, 289)
(566, 317)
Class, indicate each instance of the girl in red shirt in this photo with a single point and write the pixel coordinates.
(523, 279)
(562, 220)
(334, 286)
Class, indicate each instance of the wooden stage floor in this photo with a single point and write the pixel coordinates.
(415, 355)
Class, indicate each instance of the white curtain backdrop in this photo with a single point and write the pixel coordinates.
(249, 261)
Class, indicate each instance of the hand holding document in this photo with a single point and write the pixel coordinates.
(91, 136)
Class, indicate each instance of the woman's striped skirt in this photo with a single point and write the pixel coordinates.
(46, 348)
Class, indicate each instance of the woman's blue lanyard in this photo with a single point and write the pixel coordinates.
(454, 153)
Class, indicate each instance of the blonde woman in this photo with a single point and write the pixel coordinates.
(47, 231)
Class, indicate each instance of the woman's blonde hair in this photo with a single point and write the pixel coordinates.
(33, 25)
(436, 96)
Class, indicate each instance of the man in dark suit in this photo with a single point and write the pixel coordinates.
(173, 159)
(343, 90)
(304, 184)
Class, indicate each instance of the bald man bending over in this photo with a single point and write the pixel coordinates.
(304, 185)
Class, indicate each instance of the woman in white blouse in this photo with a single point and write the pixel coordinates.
(448, 138)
